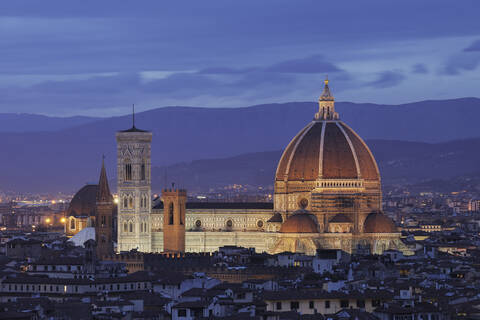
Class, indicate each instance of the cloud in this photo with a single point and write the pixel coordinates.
(419, 68)
(102, 93)
(227, 70)
(242, 85)
(308, 65)
(459, 63)
(466, 60)
(475, 46)
(312, 64)
(387, 79)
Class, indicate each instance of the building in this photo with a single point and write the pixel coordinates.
(327, 196)
(134, 190)
(92, 215)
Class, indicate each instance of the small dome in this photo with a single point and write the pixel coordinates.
(377, 222)
(277, 217)
(84, 202)
(300, 222)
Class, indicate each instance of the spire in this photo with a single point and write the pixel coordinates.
(326, 104)
(133, 128)
(103, 193)
(133, 115)
(326, 94)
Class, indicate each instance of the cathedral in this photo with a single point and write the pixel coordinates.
(327, 195)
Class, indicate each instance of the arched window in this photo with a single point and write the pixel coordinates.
(128, 171)
(131, 227)
(125, 202)
(142, 171)
(170, 213)
(125, 227)
(130, 202)
(180, 215)
(72, 224)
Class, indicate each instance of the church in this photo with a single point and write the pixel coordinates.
(327, 194)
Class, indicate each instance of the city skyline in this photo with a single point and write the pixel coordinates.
(221, 159)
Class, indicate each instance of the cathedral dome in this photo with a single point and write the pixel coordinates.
(300, 221)
(84, 202)
(377, 222)
(326, 149)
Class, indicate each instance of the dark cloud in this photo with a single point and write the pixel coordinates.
(100, 93)
(262, 47)
(475, 46)
(227, 70)
(466, 60)
(313, 64)
(419, 68)
(387, 79)
(459, 63)
(108, 36)
(309, 65)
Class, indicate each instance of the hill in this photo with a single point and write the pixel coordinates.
(64, 159)
(400, 162)
(23, 122)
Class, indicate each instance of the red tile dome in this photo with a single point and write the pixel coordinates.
(300, 221)
(378, 222)
(84, 203)
(327, 150)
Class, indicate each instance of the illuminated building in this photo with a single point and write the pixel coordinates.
(91, 215)
(327, 195)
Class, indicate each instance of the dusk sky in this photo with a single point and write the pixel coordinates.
(96, 58)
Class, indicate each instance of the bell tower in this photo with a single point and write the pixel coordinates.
(174, 207)
(104, 216)
(134, 189)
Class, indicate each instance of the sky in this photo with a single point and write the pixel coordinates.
(96, 58)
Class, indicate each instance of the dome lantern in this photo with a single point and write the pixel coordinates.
(326, 105)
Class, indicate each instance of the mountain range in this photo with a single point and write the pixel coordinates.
(400, 163)
(62, 155)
